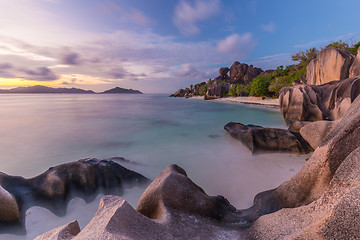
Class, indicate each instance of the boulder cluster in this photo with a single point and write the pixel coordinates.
(332, 84)
(320, 202)
(240, 73)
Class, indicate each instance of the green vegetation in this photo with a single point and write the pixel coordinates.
(343, 45)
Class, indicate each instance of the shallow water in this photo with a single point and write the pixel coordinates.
(41, 130)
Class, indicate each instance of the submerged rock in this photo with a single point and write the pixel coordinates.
(312, 103)
(55, 187)
(260, 139)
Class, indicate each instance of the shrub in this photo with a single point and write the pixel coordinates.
(202, 90)
(259, 86)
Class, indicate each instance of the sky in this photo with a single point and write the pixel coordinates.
(159, 46)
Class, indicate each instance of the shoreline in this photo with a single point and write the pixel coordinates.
(255, 101)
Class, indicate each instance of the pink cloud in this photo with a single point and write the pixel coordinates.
(237, 44)
(187, 15)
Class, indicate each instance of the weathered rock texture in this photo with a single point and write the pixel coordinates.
(312, 103)
(172, 207)
(223, 74)
(259, 139)
(217, 90)
(315, 132)
(55, 187)
(179, 93)
(330, 65)
(355, 67)
(243, 73)
(68, 231)
(322, 198)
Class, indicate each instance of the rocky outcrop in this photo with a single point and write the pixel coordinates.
(223, 72)
(315, 132)
(320, 202)
(55, 187)
(179, 93)
(259, 139)
(330, 65)
(243, 73)
(312, 103)
(217, 90)
(172, 207)
(355, 67)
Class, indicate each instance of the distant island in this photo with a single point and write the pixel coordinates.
(44, 89)
(122, 90)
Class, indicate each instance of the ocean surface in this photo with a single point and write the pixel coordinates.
(38, 131)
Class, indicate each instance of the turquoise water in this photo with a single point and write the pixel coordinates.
(41, 130)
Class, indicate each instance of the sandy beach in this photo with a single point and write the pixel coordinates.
(267, 102)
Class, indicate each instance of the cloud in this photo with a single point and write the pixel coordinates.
(69, 58)
(270, 27)
(4, 66)
(40, 74)
(131, 14)
(186, 15)
(237, 44)
(189, 71)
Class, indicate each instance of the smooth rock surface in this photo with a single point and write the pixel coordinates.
(172, 207)
(355, 67)
(315, 132)
(9, 211)
(259, 139)
(54, 188)
(330, 101)
(331, 64)
(313, 180)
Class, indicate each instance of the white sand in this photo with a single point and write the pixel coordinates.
(267, 102)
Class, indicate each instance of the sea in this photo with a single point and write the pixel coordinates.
(151, 131)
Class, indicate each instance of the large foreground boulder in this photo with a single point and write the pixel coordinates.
(330, 64)
(260, 139)
(172, 207)
(321, 200)
(55, 187)
(312, 103)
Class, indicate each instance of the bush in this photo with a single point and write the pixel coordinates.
(202, 90)
(259, 86)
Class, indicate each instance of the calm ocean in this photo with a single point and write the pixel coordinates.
(42, 130)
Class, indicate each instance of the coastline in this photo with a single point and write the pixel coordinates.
(258, 101)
